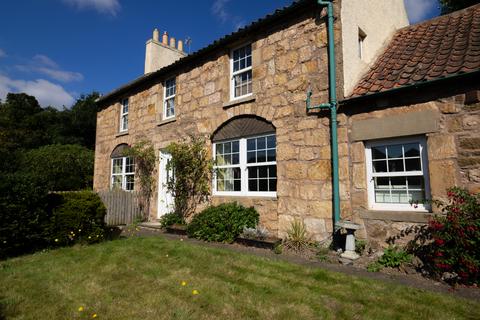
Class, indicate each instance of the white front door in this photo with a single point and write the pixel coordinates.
(165, 198)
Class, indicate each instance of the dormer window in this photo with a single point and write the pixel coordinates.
(361, 43)
(124, 116)
(241, 72)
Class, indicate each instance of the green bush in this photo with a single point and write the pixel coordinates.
(170, 219)
(393, 257)
(222, 223)
(77, 217)
(23, 215)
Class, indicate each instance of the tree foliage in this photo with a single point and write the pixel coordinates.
(454, 5)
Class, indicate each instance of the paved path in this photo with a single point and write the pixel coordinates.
(407, 280)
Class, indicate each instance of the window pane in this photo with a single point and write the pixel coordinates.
(220, 160)
(263, 172)
(261, 143)
(235, 146)
(228, 159)
(415, 182)
(252, 172)
(117, 166)
(271, 142)
(130, 165)
(117, 182)
(235, 158)
(380, 166)
(227, 147)
(129, 184)
(228, 179)
(398, 183)
(219, 148)
(272, 171)
(272, 183)
(263, 185)
(251, 144)
(395, 165)
(411, 150)
(237, 185)
(252, 185)
(378, 153)
(261, 156)
(251, 157)
(271, 155)
(395, 151)
(413, 164)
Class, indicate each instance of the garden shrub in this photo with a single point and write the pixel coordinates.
(170, 219)
(451, 242)
(222, 223)
(77, 217)
(23, 215)
(393, 257)
(297, 236)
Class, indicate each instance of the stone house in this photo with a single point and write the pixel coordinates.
(245, 93)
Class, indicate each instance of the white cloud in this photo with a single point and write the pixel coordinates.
(418, 10)
(111, 7)
(2, 53)
(219, 10)
(46, 92)
(46, 66)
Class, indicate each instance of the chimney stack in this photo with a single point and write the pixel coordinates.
(165, 38)
(160, 54)
(155, 35)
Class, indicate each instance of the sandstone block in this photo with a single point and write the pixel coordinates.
(320, 170)
(441, 146)
(443, 175)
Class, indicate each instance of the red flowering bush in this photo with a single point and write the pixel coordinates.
(451, 242)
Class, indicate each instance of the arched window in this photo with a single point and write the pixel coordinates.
(123, 169)
(244, 151)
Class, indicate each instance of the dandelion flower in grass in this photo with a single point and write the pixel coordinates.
(94, 315)
(166, 255)
(89, 237)
(184, 283)
(80, 309)
(56, 240)
(79, 230)
(195, 292)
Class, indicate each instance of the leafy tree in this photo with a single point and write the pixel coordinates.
(454, 5)
(60, 167)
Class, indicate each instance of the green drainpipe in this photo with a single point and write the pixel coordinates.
(332, 106)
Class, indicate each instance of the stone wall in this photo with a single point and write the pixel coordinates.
(287, 60)
(453, 145)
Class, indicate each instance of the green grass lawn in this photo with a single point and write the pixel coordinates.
(141, 278)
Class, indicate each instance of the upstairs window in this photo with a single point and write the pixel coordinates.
(241, 72)
(169, 98)
(397, 173)
(124, 115)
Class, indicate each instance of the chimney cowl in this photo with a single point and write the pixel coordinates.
(156, 35)
(165, 38)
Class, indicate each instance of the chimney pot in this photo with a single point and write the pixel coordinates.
(155, 35)
(180, 45)
(172, 42)
(165, 38)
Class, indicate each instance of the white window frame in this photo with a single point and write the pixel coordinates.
(243, 165)
(122, 174)
(124, 115)
(421, 207)
(233, 74)
(170, 97)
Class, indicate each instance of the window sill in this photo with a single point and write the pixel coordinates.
(165, 121)
(236, 102)
(398, 216)
(239, 196)
(123, 133)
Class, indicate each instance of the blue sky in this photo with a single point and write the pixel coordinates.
(59, 49)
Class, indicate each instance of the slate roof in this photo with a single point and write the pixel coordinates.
(279, 16)
(444, 46)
